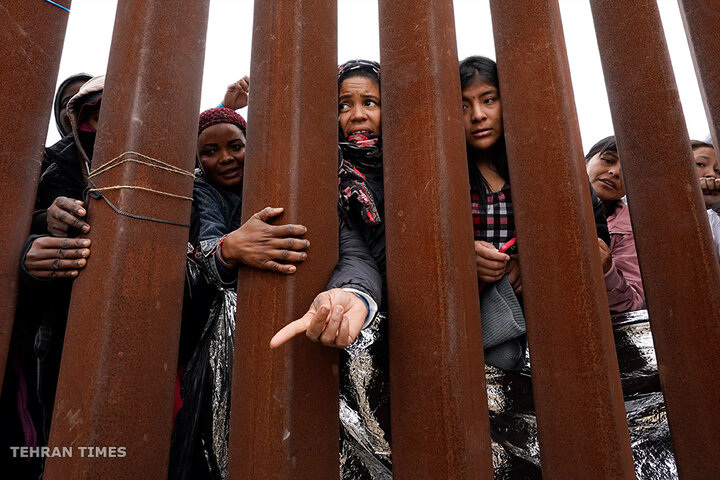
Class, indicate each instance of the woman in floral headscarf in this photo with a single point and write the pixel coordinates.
(356, 287)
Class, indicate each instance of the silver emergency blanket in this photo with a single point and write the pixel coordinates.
(364, 400)
(202, 427)
(365, 405)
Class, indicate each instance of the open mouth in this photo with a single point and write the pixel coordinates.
(360, 132)
(231, 172)
(608, 183)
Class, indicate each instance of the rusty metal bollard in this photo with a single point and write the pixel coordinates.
(118, 369)
(285, 420)
(703, 31)
(31, 42)
(439, 407)
(576, 383)
(671, 229)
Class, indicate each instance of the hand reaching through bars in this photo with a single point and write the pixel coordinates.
(261, 245)
(65, 217)
(56, 257)
(489, 262)
(334, 319)
(237, 94)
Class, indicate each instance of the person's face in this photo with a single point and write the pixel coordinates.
(706, 162)
(359, 106)
(93, 118)
(71, 89)
(605, 176)
(221, 149)
(482, 115)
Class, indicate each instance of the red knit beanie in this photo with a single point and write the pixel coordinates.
(212, 116)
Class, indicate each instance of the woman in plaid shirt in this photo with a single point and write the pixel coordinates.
(492, 212)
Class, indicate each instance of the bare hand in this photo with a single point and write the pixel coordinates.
(334, 319)
(64, 217)
(237, 94)
(55, 257)
(605, 255)
(490, 263)
(261, 245)
(711, 190)
(513, 272)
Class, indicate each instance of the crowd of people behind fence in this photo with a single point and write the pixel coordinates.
(60, 243)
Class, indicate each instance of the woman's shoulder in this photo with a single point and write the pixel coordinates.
(619, 220)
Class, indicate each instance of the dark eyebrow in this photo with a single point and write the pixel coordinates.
(492, 91)
(209, 145)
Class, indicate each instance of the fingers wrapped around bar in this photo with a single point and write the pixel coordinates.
(262, 245)
(57, 257)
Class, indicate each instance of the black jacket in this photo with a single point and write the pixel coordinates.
(361, 264)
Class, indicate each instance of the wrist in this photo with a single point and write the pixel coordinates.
(219, 252)
(364, 301)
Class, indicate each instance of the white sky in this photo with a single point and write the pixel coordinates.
(227, 57)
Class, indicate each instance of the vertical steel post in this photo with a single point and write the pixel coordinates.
(31, 40)
(702, 25)
(439, 404)
(680, 271)
(576, 382)
(118, 368)
(284, 422)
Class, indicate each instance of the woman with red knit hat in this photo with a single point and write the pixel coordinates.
(219, 243)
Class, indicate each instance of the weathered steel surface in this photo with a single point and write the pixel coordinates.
(284, 422)
(680, 271)
(118, 368)
(576, 384)
(438, 400)
(702, 25)
(31, 39)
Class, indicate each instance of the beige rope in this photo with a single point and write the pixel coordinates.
(109, 165)
(135, 187)
(142, 160)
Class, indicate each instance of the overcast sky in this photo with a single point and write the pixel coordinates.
(227, 55)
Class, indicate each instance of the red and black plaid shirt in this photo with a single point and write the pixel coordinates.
(496, 223)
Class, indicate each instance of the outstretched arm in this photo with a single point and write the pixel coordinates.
(337, 315)
(334, 319)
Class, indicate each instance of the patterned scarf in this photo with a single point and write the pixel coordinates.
(366, 153)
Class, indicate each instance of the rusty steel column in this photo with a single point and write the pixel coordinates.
(285, 410)
(576, 382)
(118, 369)
(680, 271)
(702, 25)
(31, 41)
(439, 404)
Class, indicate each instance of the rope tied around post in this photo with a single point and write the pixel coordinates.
(58, 5)
(139, 158)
